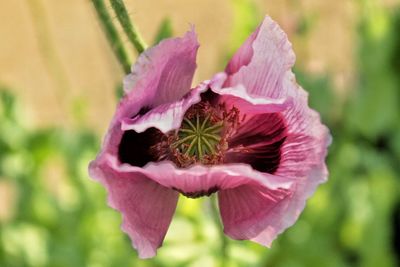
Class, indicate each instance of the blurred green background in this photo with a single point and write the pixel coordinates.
(58, 79)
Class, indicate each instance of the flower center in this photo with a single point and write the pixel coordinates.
(199, 137)
(202, 135)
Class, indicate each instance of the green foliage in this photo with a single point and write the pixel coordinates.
(246, 18)
(321, 96)
(164, 30)
(375, 109)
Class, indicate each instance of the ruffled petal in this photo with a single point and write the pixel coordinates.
(261, 63)
(261, 132)
(305, 147)
(163, 73)
(250, 201)
(243, 55)
(260, 214)
(146, 207)
(286, 213)
(167, 116)
(248, 211)
(239, 97)
(199, 180)
(302, 154)
(302, 160)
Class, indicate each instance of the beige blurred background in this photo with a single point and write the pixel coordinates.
(55, 57)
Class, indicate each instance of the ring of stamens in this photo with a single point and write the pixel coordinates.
(202, 137)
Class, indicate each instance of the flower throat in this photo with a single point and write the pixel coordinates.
(198, 137)
(202, 136)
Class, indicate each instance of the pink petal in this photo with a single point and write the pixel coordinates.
(167, 116)
(267, 74)
(239, 97)
(243, 56)
(202, 179)
(250, 201)
(247, 211)
(261, 63)
(163, 73)
(147, 208)
(307, 139)
(259, 214)
(286, 213)
(302, 160)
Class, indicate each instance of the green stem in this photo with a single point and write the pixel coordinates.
(112, 35)
(48, 50)
(224, 241)
(127, 25)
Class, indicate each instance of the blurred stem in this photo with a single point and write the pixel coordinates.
(164, 30)
(112, 35)
(223, 240)
(48, 51)
(127, 25)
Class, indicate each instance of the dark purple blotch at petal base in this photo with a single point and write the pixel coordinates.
(258, 143)
(135, 148)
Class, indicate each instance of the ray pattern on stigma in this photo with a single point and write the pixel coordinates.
(199, 137)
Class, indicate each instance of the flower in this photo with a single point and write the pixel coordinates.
(247, 134)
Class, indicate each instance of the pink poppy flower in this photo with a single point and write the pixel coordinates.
(247, 134)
